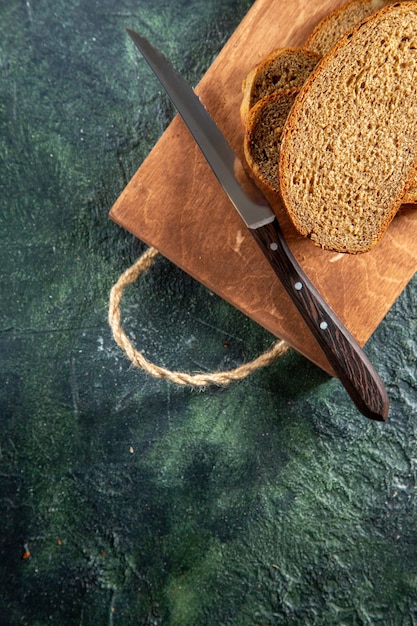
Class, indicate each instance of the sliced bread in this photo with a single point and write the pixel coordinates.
(285, 68)
(349, 147)
(340, 21)
(337, 23)
(262, 141)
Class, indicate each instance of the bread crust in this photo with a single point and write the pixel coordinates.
(308, 209)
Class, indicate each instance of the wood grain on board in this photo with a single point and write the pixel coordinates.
(175, 204)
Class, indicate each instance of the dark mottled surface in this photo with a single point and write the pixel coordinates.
(269, 502)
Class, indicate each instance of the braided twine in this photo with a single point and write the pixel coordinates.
(128, 277)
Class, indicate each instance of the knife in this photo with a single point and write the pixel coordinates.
(348, 360)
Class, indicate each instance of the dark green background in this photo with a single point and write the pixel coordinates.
(269, 502)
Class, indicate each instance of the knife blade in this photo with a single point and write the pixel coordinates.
(348, 360)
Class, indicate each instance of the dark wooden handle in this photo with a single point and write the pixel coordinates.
(344, 354)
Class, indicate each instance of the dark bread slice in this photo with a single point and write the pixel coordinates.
(349, 147)
(285, 68)
(262, 141)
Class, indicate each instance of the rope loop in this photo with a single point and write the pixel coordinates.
(223, 378)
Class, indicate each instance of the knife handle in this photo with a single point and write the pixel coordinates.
(344, 354)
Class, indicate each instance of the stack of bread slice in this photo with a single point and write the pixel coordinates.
(332, 127)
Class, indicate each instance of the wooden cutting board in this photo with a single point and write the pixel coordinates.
(175, 204)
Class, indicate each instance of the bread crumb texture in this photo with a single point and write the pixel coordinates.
(350, 142)
(262, 141)
(284, 68)
(340, 21)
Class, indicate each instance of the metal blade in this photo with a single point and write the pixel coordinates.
(207, 135)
